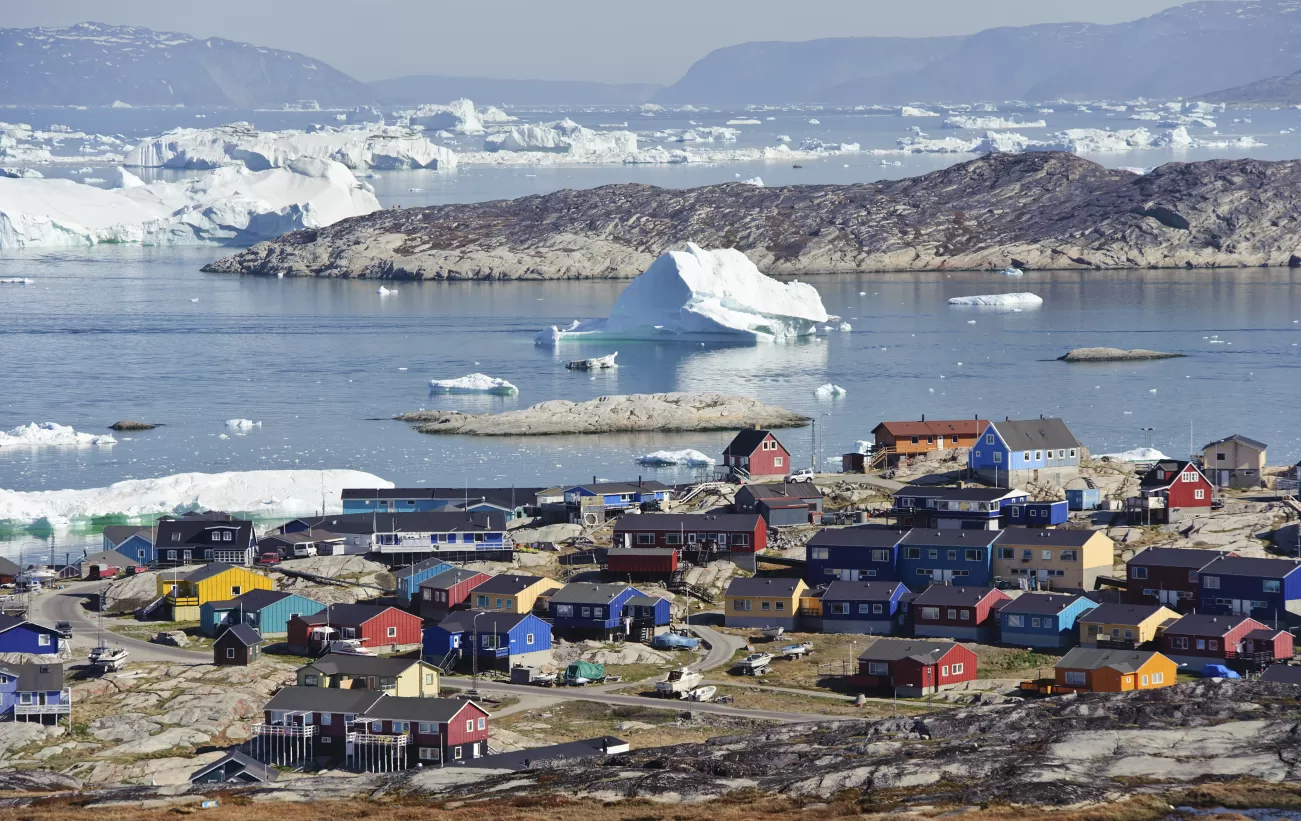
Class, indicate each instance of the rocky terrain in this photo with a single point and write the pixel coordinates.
(613, 414)
(1270, 92)
(1041, 210)
(1114, 355)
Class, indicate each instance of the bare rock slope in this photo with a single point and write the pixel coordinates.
(1041, 210)
(1114, 355)
(613, 414)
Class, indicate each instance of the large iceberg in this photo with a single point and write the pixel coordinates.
(51, 434)
(1025, 298)
(357, 147)
(473, 383)
(666, 458)
(1135, 455)
(564, 136)
(1075, 140)
(459, 116)
(704, 295)
(273, 493)
(230, 206)
(987, 123)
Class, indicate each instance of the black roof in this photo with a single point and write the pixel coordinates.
(944, 594)
(1224, 565)
(644, 601)
(927, 652)
(10, 622)
(508, 584)
(263, 772)
(499, 496)
(782, 490)
(34, 677)
(109, 557)
(1191, 558)
(322, 700)
(1116, 613)
(450, 578)
(763, 586)
(117, 534)
(1282, 674)
(746, 442)
(345, 664)
(587, 593)
(1040, 604)
(1200, 624)
(527, 758)
(867, 536)
(1088, 658)
(1036, 434)
(242, 633)
(860, 591)
(462, 621)
(1240, 439)
(959, 494)
(927, 537)
(419, 567)
(414, 708)
(346, 614)
(253, 600)
(1163, 474)
(195, 532)
(693, 522)
(437, 521)
(1044, 537)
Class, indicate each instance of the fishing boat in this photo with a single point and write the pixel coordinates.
(794, 651)
(755, 663)
(701, 694)
(348, 647)
(773, 632)
(108, 659)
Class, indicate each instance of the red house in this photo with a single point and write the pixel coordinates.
(756, 454)
(1220, 639)
(914, 667)
(1166, 575)
(966, 613)
(1171, 491)
(372, 625)
(642, 562)
(726, 532)
(448, 591)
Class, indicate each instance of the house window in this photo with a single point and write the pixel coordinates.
(932, 554)
(43, 640)
(1026, 456)
(456, 751)
(998, 457)
(953, 613)
(1076, 678)
(216, 537)
(1046, 555)
(488, 641)
(931, 613)
(1187, 477)
(1211, 582)
(481, 601)
(429, 678)
(1199, 494)
(229, 537)
(779, 605)
(586, 612)
(1027, 555)
(840, 608)
(864, 609)
(598, 612)
(1015, 621)
(973, 555)
(915, 440)
(673, 538)
(1006, 553)
(878, 668)
(944, 671)
(428, 753)
(230, 652)
(1056, 572)
(176, 537)
(235, 591)
(912, 553)
(1270, 586)
(930, 440)
(953, 555)
(392, 632)
(1038, 454)
(1061, 454)
(1158, 678)
(1138, 572)
(1144, 681)
(777, 461)
(923, 571)
(1214, 644)
(310, 681)
(469, 726)
(880, 555)
(957, 669)
(764, 605)
(1259, 605)
(1129, 635)
(818, 553)
(645, 538)
(1070, 556)
(528, 639)
(989, 439)
(1036, 622)
(742, 604)
(1179, 643)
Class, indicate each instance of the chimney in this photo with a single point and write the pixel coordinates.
(923, 417)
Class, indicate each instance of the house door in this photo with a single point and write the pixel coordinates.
(1222, 478)
(1036, 474)
(186, 556)
(722, 540)
(1241, 607)
(627, 540)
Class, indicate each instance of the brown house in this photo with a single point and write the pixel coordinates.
(1234, 461)
(902, 439)
(238, 646)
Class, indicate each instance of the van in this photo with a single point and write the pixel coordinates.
(304, 551)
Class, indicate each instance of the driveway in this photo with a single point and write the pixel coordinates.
(70, 605)
(721, 646)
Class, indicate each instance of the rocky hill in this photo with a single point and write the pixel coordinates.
(1178, 52)
(1042, 210)
(96, 64)
(1272, 91)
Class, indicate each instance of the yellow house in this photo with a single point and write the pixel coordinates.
(395, 676)
(1055, 559)
(212, 582)
(511, 593)
(764, 602)
(1124, 625)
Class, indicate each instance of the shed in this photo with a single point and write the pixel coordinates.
(237, 646)
(448, 591)
(1083, 498)
(642, 562)
(235, 768)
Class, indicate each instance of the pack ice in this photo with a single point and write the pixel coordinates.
(51, 434)
(697, 294)
(257, 492)
(230, 206)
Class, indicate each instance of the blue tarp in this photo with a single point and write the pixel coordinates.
(672, 641)
(1218, 671)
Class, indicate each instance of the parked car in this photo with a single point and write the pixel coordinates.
(801, 475)
(64, 628)
(269, 558)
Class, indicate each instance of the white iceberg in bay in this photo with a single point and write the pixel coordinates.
(910, 111)
(473, 383)
(51, 434)
(700, 295)
(1135, 455)
(459, 116)
(990, 123)
(665, 458)
(242, 424)
(565, 137)
(1024, 298)
(829, 391)
(272, 493)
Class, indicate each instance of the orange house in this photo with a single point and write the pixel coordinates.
(1088, 670)
(912, 438)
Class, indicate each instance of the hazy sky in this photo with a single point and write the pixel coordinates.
(607, 40)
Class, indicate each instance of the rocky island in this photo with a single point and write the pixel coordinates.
(1114, 355)
(659, 412)
(1046, 210)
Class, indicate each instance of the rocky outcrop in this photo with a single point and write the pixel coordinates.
(1114, 355)
(1039, 210)
(131, 424)
(659, 412)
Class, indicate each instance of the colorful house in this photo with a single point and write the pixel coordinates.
(1038, 559)
(953, 508)
(1036, 514)
(504, 640)
(964, 613)
(1198, 639)
(186, 594)
(914, 667)
(865, 553)
(511, 592)
(763, 601)
(1166, 575)
(21, 636)
(1124, 626)
(409, 537)
(784, 503)
(654, 563)
(376, 627)
(448, 591)
(267, 611)
(907, 439)
(756, 455)
(238, 646)
(408, 579)
(1092, 670)
(1171, 491)
(235, 768)
(133, 541)
(34, 691)
(591, 610)
(1265, 589)
(394, 676)
(946, 556)
(1234, 461)
(734, 532)
(874, 607)
(510, 501)
(1042, 619)
(1012, 453)
(590, 504)
(212, 537)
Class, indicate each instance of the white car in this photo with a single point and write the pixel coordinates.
(801, 475)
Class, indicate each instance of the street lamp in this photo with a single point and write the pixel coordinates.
(474, 655)
(1147, 436)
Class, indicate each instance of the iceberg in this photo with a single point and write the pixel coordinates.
(1135, 455)
(697, 295)
(242, 424)
(459, 116)
(473, 383)
(230, 206)
(910, 111)
(51, 434)
(566, 137)
(16, 281)
(998, 299)
(829, 391)
(988, 123)
(665, 458)
(270, 493)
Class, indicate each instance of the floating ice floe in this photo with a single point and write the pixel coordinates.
(1135, 455)
(755, 181)
(998, 299)
(1013, 272)
(1075, 140)
(230, 206)
(744, 122)
(382, 291)
(16, 281)
(697, 294)
(910, 111)
(473, 383)
(664, 458)
(829, 391)
(990, 123)
(845, 327)
(272, 493)
(51, 434)
(597, 363)
(242, 424)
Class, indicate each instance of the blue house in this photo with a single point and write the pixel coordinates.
(409, 578)
(616, 496)
(1043, 619)
(961, 557)
(19, 636)
(34, 691)
(1265, 589)
(504, 640)
(954, 508)
(1035, 514)
(1009, 453)
(267, 611)
(513, 502)
(132, 541)
(852, 554)
(646, 616)
(588, 609)
(876, 608)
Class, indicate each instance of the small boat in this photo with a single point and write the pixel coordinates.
(755, 663)
(794, 651)
(348, 647)
(1013, 272)
(598, 363)
(108, 659)
(701, 694)
(774, 632)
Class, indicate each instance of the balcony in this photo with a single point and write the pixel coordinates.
(174, 600)
(380, 739)
(286, 730)
(62, 708)
(1145, 503)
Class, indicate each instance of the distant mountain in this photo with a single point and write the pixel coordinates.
(95, 64)
(425, 88)
(1284, 90)
(1179, 52)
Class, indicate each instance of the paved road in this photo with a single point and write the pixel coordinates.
(722, 647)
(52, 606)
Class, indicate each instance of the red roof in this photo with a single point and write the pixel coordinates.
(956, 427)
